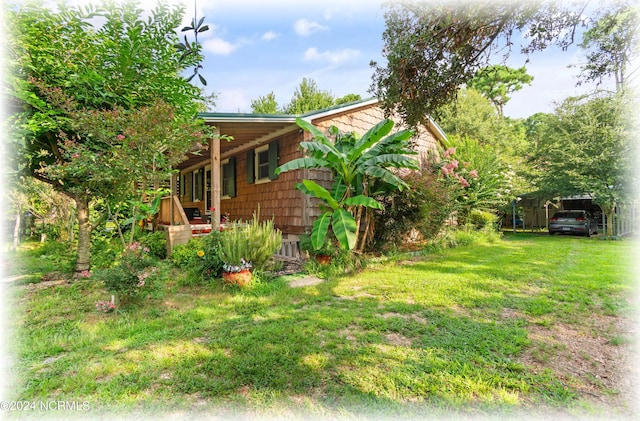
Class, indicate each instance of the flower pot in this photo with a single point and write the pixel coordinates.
(323, 259)
(241, 278)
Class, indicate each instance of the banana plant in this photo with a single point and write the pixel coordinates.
(356, 164)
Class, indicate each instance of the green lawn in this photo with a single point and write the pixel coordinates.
(469, 329)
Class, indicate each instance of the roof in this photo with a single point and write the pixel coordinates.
(250, 130)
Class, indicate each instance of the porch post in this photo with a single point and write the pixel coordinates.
(173, 192)
(215, 179)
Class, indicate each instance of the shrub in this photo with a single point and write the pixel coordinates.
(482, 219)
(156, 242)
(132, 276)
(256, 242)
(423, 208)
(201, 257)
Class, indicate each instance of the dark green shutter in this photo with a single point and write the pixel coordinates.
(273, 160)
(251, 178)
(231, 168)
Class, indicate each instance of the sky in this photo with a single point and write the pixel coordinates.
(254, 48)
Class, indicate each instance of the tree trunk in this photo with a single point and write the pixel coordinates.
(16, 229)
(84, 235)
(609, 213)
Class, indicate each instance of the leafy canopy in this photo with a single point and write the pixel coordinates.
(434, 47)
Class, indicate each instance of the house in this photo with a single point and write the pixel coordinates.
(236, 177)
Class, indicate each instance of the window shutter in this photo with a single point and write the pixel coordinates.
(251, 178)
(273, 160)
(231, 167)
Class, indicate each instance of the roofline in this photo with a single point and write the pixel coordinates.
(210, 117)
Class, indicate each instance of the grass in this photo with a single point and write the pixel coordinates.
(442, 333)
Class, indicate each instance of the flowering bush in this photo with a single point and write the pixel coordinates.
(244, 265)
(105, 306)
(200, 257)
(132, 276)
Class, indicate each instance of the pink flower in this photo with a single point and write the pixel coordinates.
(445, 170)
(464, 182)
(473, 174)
(120, 137)
(449, 152)
(75, 155)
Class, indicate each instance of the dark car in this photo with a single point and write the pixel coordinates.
(573, 222)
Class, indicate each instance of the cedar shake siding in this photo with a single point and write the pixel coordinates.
(263, 142)
(277, 197)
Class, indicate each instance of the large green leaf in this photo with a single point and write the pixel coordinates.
(383, 146)
(344, 227)
(314, 189)
(307, 126)
(363, 201)
(320, 229)
(296, 164)
(372, 136)
(393, 160)
(386, 176)
(338, 189)
(318, 146)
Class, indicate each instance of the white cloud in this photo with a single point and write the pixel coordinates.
(333, 58)
(270, 35)
(304, 27)
(222, 47)
(219, 46)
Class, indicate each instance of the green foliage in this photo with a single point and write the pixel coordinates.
(611, 44)
(424, 206)
(586, 147)
(480, 219)
(185, 256)
(328, 248)
(133, 275)
(265, 104)
(255, 242)
(486, 182)
(98, 107)
(106, 248)
(497, 82)
(200, 258)
(433, 48)
(156, 242)
(307, 97)
(264, 240)
(361, 168)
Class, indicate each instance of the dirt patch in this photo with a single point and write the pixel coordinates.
(414, 317)
(305, 282)
(596, 359)
(398, 339)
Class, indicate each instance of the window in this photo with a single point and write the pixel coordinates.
(198, 184)
(228, 174)
(262, 163)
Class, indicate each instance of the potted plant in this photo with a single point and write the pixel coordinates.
(324, 254)
(237, 274)
(234, 246)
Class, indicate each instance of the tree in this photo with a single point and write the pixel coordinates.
(356, 164)
(497, 82)
(587, 149)
(611, 43)
(433, 48)
(308, 97)
(84, 95)
(265, 104)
